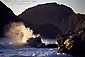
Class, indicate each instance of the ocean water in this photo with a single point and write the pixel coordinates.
(7, 50)
(32, 52)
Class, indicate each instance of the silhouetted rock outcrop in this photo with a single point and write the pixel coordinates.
(51, 46)
(60, 16)
(35, 42)
(50, 13)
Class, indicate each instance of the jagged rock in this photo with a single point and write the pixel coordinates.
(74, 44)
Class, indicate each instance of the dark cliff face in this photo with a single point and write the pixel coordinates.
(46, 29)
(50, 13)
(6, 16)
(60, 16)
(76, 22)
(46, 13)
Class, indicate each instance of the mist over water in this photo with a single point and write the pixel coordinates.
(49, 41)
(9, 41)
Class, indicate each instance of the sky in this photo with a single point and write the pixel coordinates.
(18, 6)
